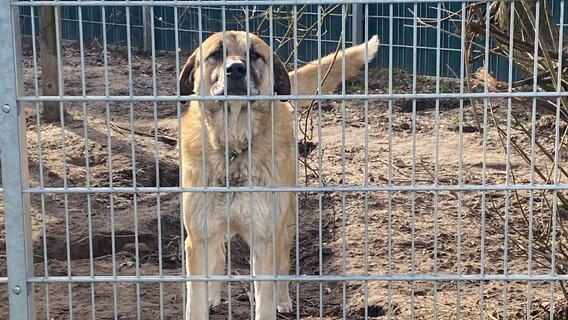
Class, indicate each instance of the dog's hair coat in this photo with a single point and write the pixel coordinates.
(208, 130)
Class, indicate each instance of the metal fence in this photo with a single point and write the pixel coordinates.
(417, 198)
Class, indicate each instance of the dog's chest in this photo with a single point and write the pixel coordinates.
(245, 170)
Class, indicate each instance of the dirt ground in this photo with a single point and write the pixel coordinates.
(405, 232)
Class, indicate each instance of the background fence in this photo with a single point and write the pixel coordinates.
(378, 17)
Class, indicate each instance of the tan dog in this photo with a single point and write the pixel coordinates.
(208, 216)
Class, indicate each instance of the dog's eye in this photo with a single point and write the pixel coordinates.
(218, 55)
(253, 55)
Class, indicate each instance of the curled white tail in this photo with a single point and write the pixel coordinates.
(355, 59)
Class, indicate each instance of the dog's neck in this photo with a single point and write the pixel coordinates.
(230, 130)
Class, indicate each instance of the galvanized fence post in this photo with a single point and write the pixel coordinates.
(147, 29)
(15, 168)
(357, 23)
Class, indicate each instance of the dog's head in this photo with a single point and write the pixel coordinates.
(230, 74)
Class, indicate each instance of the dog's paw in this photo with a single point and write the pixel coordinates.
(215, 300)
(285, 306)
(214, 294)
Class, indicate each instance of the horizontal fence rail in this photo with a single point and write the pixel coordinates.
(322, 97)
(415, 187)
(409, 277)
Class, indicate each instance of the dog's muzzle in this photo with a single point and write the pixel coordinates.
(236, 77)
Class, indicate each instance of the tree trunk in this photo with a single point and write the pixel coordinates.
(49, 66)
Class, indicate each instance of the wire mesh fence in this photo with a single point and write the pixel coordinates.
(399, 196)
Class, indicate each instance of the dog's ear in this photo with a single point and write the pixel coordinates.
(186, 76)
(281, 78)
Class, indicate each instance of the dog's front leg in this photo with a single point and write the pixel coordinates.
(198, 303)
(265, 309)
(218, 251)
(284, 242)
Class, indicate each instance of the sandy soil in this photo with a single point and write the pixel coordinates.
(405, 232)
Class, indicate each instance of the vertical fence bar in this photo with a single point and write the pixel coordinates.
(390, 166)
(557, 144)
(509, 179)
(14, 159)
(484, 172)
(296, 158)
(157, 162)
(437, 159)
(320, 162)
(343, 173)
(414, 158)
(87, 157)
(533, 160)
(40, 158)
(366, 164)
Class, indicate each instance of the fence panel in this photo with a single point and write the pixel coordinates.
(412, 197)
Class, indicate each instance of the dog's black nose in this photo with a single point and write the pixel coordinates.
(236, 70)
